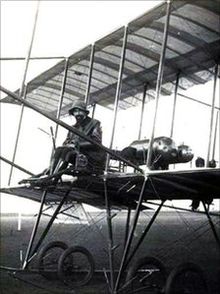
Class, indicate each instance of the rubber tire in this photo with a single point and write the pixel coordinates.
(41, 254)
(90, 259)
(180, 269)
(144, 261)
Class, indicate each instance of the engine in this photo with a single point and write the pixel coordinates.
(164, 152)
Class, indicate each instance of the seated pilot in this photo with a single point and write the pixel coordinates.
(82, 154)
(76, 150)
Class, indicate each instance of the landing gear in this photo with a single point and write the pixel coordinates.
(47, 261)
(187, 278)
(147, 275)
(76, 266)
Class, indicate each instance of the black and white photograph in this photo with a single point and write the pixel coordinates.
(110, 147)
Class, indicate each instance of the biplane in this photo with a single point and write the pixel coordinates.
(165, 51)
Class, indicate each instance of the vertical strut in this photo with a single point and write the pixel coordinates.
(142, 110)
(212, 115)
(108, 211)
(61, 95)
(174, 104)
(90, 74)
(93, 109)
(110, 237)
(34, 231)
(119, 84)
(215, 135)
(127, 225)
(62, 91)
(159, 81)
(118, 92)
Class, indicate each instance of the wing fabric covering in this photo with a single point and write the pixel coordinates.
(193, 48)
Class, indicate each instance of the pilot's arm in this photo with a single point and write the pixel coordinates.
(95, 135)
(67, 140)
(71, 140)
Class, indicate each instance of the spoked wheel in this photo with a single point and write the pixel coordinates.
(48, 257)
(76, 266)
(187, 278)
(147, 275)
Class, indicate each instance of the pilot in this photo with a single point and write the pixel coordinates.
(76, 150)
(74, 147)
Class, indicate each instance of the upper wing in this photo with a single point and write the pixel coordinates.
(193, 49)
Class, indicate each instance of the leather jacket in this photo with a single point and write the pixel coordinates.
(91, 128)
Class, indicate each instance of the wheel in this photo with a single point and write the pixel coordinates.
(76, 266)
(187, 278)
(48, 256)
(147, 275)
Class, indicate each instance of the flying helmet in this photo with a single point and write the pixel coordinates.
(80, 105)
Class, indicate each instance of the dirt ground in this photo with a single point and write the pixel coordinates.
(174, 238)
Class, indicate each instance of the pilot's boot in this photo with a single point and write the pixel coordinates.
(58, 166)
(36, 177)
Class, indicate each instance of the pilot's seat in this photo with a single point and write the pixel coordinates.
(84, 166)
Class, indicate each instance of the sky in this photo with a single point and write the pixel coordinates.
(64, 27)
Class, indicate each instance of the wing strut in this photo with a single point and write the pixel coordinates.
(212, 114)
(59, 106)
(62, 94)
(127, 225)
(23, 89)
(215, 135)
(119, 84)
(142, 110)
(174, 104)
(159, 80)
(109, 219)
(89, 74)
(110, 236)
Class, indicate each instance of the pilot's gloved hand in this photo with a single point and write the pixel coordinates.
(73, 145)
